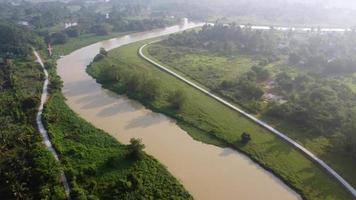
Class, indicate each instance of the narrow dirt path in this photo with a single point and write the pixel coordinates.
(41, 128)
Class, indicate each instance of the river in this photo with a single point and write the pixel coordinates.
(206, 171)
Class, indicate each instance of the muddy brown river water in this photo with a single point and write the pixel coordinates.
(206, 171)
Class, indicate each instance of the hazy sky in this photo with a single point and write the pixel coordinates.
(328, 3)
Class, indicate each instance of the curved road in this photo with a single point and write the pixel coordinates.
(41, 128)
(259, 122)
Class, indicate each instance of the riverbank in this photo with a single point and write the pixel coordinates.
(100, 167)
(216, 121)
(96, 164)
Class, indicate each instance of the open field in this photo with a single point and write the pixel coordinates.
(209, 121)
(319, 144)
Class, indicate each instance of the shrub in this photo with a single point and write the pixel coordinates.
(103, 52)
(59, 38)
(73, 32)
(136, 148)
(98, 57)
(245, 137)
(150, 89)
(177, 99)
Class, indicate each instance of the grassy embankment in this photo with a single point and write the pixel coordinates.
(209, 69)
(96, 164)
(209, 121)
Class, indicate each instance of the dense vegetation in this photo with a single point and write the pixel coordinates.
(103, 169)
(309, 71)
(27, 169)
(57, 22)
(16, 41)
(123, 71)
(303, 72)
(98, 167)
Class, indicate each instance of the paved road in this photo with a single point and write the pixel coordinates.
(261, 123)
(41, 128)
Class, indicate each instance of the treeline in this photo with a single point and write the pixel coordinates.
(315, 99)
(16, 41)
(246, 89)
(48, 18)
(133, 83)
(323, 53)
(326, 106)
(228, 40)
(328, 54)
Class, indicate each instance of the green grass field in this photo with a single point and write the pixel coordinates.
(209, 121)
(185, 63)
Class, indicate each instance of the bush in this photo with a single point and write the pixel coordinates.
(245, 137)
(98, 57)
(101, 29)
(103, 52)
(136, 148)
(150, 89)
(177, 99)
(73, 31)
(133, 82)
(59, 38)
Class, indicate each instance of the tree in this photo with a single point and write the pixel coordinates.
(248, 89)
(285, 82)
(101, 29)
(262, 74)
(136, 148)
(103, 51)
(150, 89)
(98, 57)
(133, 82)
(245, 137)
(59, 38)
(73, 31)
(177, 99)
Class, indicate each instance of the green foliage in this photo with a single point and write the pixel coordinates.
(27, 169)
(98, 57)
(73, 31)
(262, 74)
(245, 137)
(136, 148)
(98, 167)
(59, 38)
(177, 99)
(103, 52)
(313, 104)
(207, 120)
(150, 89)
(16, 41)
(101, 29)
